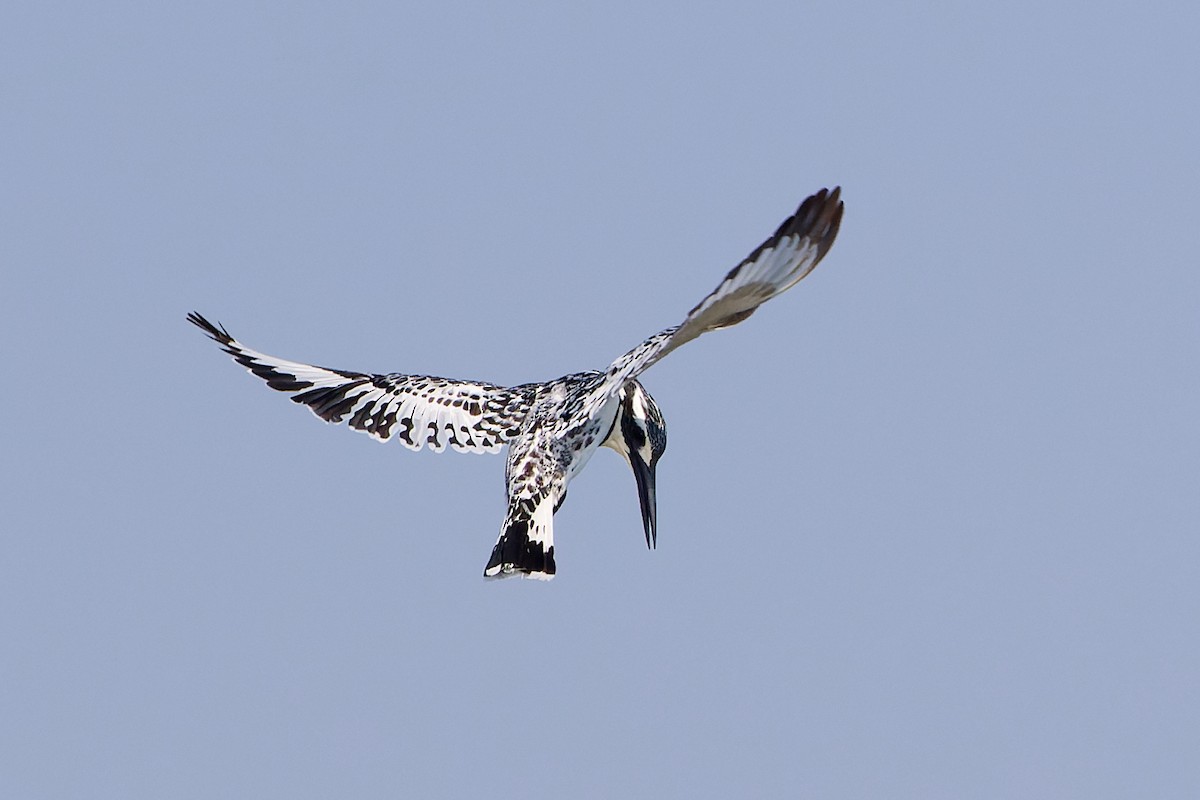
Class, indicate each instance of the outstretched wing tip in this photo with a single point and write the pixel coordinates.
(832, 210)
(418, 410)
(780, 262)
(215, 332)
(786, 257)
(819, 217)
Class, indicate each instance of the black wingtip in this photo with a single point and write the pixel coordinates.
(819, 217)
(215, 332)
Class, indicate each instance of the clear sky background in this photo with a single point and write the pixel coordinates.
(928, 522)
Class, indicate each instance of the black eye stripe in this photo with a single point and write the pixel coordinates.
(633, 432)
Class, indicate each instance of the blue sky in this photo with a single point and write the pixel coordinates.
(927, 523)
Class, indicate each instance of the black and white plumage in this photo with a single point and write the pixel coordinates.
(551, 428)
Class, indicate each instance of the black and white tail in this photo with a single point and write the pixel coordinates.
(526, 544)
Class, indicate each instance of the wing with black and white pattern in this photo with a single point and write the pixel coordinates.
(416, 409)
(775, 266)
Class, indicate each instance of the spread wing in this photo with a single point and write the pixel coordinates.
(774, 267)
(416, 409)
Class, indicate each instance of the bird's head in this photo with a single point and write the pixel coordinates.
(640, 435)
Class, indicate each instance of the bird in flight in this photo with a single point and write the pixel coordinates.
(553, 427)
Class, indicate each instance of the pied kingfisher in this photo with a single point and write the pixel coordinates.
(551, 428)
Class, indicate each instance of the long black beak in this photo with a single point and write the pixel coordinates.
(645, 486)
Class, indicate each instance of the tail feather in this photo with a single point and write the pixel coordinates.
(526, 544)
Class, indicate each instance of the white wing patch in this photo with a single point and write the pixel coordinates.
(775, 266)
(418, 410)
